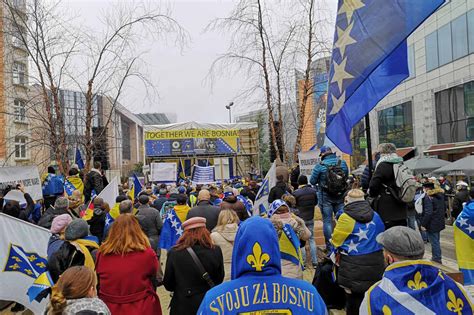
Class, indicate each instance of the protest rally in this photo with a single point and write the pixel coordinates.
(335, 176)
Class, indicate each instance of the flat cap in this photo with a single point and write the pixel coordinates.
(402, 241)
(193, 223)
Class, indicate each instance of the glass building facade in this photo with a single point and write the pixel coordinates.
(396, 125)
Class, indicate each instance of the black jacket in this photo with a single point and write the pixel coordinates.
(306, 200)
(206, 210)
(47, 218)
(359, 272)
(97, 224)
(94, 181)
(277, 192)
(434, 207)
(387, 206)
(183, 278)
(461, 197)
(151, 223)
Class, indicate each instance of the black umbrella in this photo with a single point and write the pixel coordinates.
(425, 164)
(464, 165)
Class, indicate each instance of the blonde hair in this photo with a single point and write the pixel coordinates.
(226, 216)
(74, 283)
(290, 200)
(125, 236)
(354, 195)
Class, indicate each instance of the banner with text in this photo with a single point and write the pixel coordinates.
(204, 175)
(308, 161)
(26, 175)
(191, 142)
(163, 172)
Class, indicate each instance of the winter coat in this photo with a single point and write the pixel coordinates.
(47, 218)
(361, 261)
(294, 175)
(224, 238)
(234, 204)
(53, 185)
(86, 305)
(277, 191)
(461, 197)
(318, 176)
(159, 202)
(434, 207)
(126, 282)
(94, 181)
(257, 285)
(387, 206)
(182, 277)
(54, 244)
(151, 224)
(97, 223)
(306, 200)
(206, 210)
(288, 268)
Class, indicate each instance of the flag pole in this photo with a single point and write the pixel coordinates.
(369, 144)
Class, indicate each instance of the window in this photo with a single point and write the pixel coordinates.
(431, 43)
(470, 30)
(19, 73)
(20, 147)
(411, 61)
(17, 35)
(459, 35)
(126, 149)
(396, 125)
(20, 110)
(445, 45)
(455, 114)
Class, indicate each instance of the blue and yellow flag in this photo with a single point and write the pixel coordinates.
(73, 183)
(171, 231)
(40, 287)
(290, 246)
(464, 242)
(416, 287)
(369, 58)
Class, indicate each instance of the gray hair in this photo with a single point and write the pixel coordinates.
(61, 203)
(387, 148)
(126, 206)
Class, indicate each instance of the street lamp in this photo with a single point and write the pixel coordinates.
(229, 108)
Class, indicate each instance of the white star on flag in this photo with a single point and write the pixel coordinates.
(352, 246)
(340, 73)
(344, 38)
(362, 234)
(349, 7)
(170, 216)
(174, 224)
(470, 228)
(463, 222)
(367, 225)
(179, 231)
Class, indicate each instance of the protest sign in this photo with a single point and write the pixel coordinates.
(26, 175)
(204, 175)
(308, 161)
(163, 172)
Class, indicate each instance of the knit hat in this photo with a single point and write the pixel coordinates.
(274, 207)
(194, 223)
(61, 203)
(402, 241)
(204, 195)
(77, 229)
(182, 189)
(324, 150)
(60, 222)
(354, 195)
(387, 148)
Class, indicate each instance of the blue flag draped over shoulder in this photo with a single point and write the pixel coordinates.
(290, 246)
(369, 58)
(464, 242)
(171, 231)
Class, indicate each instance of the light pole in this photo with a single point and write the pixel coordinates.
(229, 108)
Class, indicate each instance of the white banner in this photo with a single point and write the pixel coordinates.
(27, 175)
(203, 175)
(163, 172)
(110, 192)
(308, 161)
(22, 259)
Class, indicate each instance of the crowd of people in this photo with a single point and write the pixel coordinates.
(231, 257)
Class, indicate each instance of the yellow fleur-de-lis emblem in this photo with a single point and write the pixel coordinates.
(455, 304)
(15, 258)
(14, 266)
(416, 283)
(257, 259)
(41, 265)
(386, 310)
(29, 272)
(31, 257)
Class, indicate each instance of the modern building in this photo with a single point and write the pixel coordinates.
(432, 112)
(14, 123)
(154, 118)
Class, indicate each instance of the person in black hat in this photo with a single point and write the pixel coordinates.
(432, 217)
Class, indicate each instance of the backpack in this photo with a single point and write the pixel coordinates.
(405, 182)
(336, 179)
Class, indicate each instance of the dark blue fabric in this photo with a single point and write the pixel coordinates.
(53, 186)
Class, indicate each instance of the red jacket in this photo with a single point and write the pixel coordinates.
(125, 282)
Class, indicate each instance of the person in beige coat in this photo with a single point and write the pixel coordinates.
(223, 235)
(279, 213)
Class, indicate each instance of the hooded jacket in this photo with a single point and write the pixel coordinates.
(224, 238)
(434, 207)
(257, 283)
(318, 176)
(361, 261)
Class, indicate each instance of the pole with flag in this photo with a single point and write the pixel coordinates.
(369, 59)
(108, 194)
(261, 200)
(78, 159)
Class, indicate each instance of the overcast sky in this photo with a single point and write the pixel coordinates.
(179, 76)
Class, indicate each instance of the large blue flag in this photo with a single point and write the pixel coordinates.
(369, 58)
(137, 186)
(79, 161)
(171, 231)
